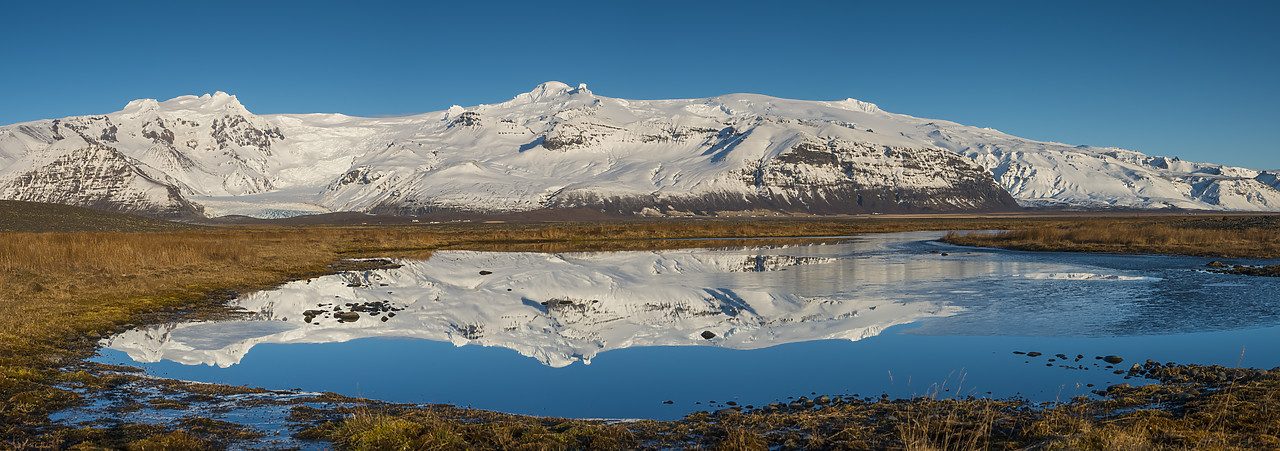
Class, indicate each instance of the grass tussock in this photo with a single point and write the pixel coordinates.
(1229, 237)
(415, 429)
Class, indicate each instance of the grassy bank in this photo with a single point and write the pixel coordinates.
(1190, 408)
(1227, 236)
(60, 292)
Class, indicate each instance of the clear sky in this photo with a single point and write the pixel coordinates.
(1198, 80)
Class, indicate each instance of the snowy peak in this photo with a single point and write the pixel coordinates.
(218, 103)
(853, 104)
(549, 91)
(559, 146)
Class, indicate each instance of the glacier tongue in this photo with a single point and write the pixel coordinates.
(560, 146)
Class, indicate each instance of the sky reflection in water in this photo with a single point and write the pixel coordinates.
(881, 314)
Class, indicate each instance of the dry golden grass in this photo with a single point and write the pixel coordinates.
(60, 292)
(1136, 236)
(390, 428)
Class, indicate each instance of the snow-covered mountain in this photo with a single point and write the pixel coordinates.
(561, 146)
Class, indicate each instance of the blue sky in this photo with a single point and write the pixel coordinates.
(1196, 80)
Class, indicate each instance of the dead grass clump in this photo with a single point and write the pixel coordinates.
(170, 441)
(369, 428)
(738, 439)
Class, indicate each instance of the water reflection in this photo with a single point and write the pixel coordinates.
(799, 307)
(568, 307)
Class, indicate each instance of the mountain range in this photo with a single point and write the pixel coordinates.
(559, 146)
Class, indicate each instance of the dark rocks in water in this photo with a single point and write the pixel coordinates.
(1258, 271)
(485, 273)
(348, 316)
(730, 403)
(668, 402)
(1217, 264)
(823, 400)
(1034, 354)
(1112, 359)
(708, 334)
(726, 411)
(795, 405)
(944, 254)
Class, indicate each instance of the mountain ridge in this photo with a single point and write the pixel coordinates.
(559, 146)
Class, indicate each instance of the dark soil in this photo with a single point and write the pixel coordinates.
(20, 216)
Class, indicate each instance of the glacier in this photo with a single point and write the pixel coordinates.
(560, 146)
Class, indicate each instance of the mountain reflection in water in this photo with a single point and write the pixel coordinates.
(889, 313)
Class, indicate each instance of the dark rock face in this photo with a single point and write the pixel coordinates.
(238, 130)
(102, 178)
(467, 119)
(833, 178)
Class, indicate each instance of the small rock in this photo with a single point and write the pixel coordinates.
(668, 402)
(824, 400)
(708, 334)
(485, 273)
(1034, 354)
(1112, 359)
(1217, 264)
(348, 316)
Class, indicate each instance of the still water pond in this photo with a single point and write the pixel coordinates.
(618, 334)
